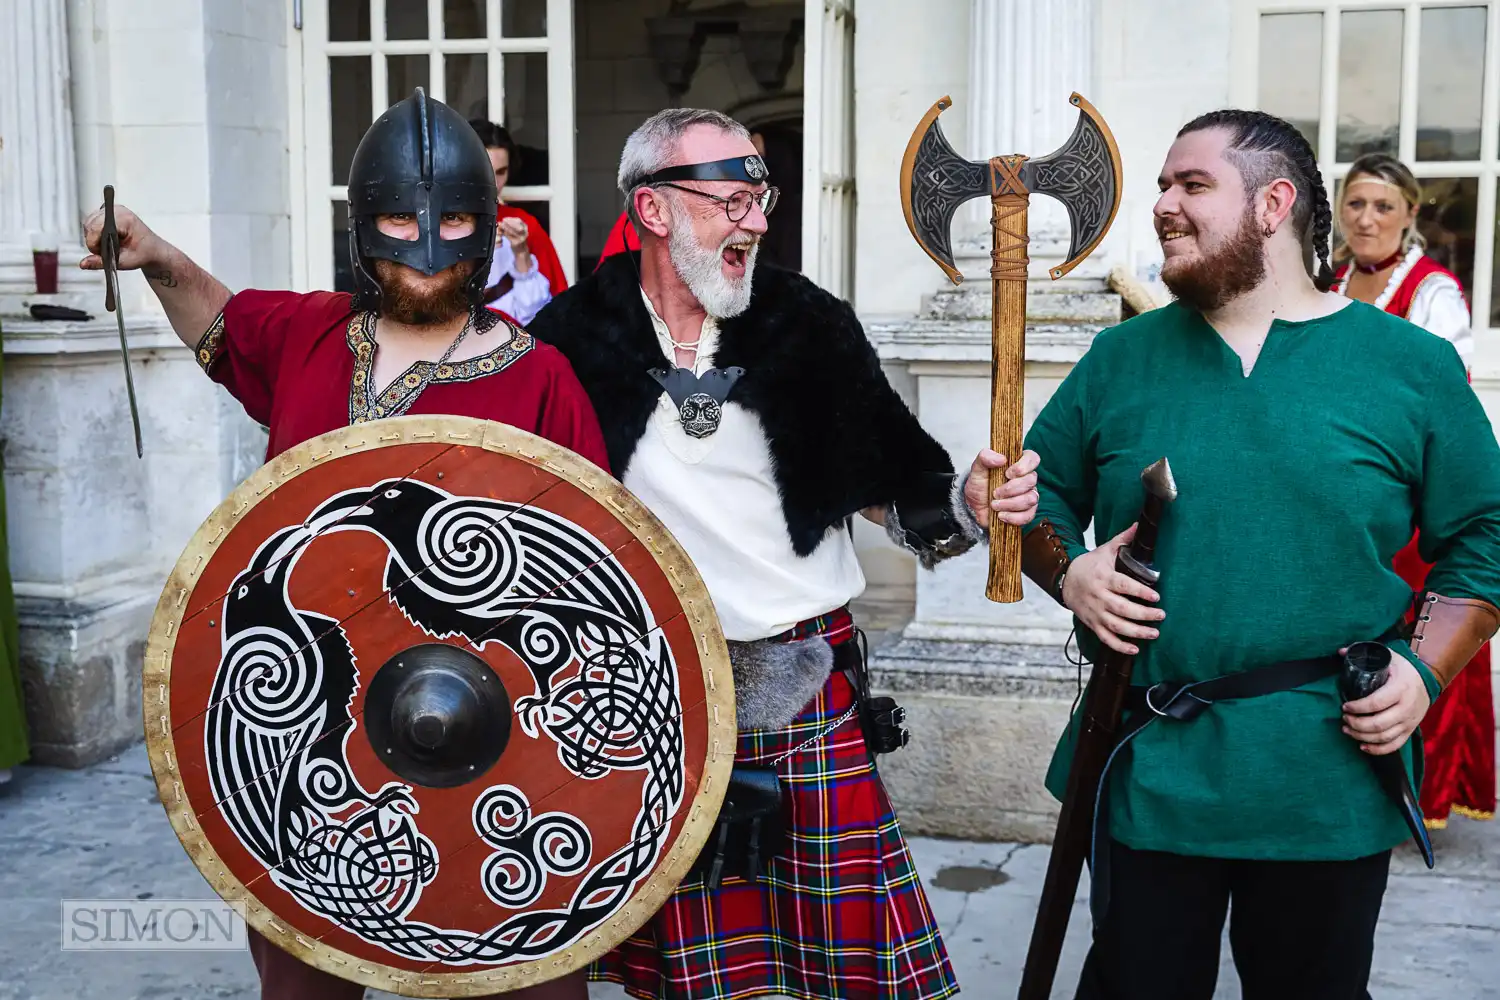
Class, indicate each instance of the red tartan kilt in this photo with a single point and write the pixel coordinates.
(1458, 734)
(840, 916)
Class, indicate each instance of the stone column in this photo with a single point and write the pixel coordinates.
(92, 529)
(38, 176)
(1025, 58)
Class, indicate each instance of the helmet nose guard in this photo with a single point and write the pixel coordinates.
(420, 158)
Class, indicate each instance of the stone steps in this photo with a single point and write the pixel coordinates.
(1081, 300)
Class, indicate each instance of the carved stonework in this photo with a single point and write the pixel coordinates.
(768, 35)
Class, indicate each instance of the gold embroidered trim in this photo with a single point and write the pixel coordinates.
(211, 344)
(393, 400)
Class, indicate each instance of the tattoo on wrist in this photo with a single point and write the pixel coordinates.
(160, 275)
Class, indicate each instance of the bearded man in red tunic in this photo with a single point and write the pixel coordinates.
(413, 338)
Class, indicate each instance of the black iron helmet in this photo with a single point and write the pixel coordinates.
(420, 157)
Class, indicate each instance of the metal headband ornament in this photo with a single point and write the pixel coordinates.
(736, 168)
(441, 703)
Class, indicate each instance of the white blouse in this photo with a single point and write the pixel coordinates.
(1438, 307)
(528, 293)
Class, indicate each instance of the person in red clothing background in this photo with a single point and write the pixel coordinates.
(1384, 262)
(413, 338)
(525, 238)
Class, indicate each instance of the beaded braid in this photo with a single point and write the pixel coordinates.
(1271, 147)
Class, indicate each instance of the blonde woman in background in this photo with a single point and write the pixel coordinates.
(1383, 263)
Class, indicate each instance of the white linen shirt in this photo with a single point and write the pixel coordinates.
(718, 497)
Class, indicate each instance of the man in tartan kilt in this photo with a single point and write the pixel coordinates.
(747, 409)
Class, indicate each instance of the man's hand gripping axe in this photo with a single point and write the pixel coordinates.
(1085, 176)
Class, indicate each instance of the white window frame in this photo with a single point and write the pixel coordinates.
(311, 141)
(828, 195)
(1246, 72)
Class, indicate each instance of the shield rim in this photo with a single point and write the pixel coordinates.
(713, 654)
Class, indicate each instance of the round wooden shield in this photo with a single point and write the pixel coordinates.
(441, 704)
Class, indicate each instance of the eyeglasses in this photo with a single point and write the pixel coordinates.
(737, 205)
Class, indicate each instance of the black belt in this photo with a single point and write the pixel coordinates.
(1183, 702)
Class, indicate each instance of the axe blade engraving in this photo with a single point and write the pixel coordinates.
(940, 180)
(1085, 176)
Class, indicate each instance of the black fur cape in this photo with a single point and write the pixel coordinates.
(840, 437)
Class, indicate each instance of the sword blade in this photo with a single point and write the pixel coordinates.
(109, 247)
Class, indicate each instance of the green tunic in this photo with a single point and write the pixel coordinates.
(1297, 485)
(13, 747)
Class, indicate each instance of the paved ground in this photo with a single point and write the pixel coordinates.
(100, 833)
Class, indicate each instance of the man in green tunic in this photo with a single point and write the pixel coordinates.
(1307, 435)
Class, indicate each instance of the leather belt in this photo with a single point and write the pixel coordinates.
(1183, 702)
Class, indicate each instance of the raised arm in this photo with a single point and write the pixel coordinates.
(190, 295)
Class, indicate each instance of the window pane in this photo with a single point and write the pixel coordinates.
(1369, 82)
(526, 114)
(405, 19)
(1447, 219)
(1291, 69)
(343, 271)
(463, 18)
(348, 20)
(405, 74)
(1495, 275)
(348, 109)
(467, 79)
(1450, 79)
(523, 18)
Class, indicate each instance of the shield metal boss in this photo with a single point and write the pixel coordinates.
(441, 704)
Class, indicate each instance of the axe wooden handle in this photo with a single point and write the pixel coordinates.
(1008, 263)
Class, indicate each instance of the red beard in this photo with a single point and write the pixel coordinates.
(406, 298)
(1230, 270)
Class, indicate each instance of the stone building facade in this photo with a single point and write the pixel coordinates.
(227, 123)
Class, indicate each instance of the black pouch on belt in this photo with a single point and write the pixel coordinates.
(751, 829)
(881, 719)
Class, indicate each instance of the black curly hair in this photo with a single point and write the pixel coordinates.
(1266, 148)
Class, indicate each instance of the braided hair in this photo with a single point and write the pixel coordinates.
(1266, 148)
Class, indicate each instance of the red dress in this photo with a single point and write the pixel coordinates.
(1458, 734)
(299, 365)
(542, 250)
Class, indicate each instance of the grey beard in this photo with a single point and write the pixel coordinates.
(700, 269)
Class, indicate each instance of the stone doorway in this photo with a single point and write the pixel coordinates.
(634, 57)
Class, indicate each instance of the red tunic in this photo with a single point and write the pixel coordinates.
(1458, 734)
(299, 364)
(542, 250)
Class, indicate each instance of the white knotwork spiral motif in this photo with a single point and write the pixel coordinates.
(325, 782)
(485, 570)
(526, 850)
(545, 643)
(467, 558)
(272, 685)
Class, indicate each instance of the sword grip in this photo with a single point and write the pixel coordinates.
(1008, 263)
(109, 248)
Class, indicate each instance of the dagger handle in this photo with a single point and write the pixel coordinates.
(109, 248)
(1008, 263)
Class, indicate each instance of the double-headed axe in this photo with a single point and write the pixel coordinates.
(1085, 176)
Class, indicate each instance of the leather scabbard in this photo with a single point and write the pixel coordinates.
(1044, 558)
(1449, 631)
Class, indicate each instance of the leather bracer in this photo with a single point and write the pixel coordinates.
(1044, 558)
(1449, 631)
